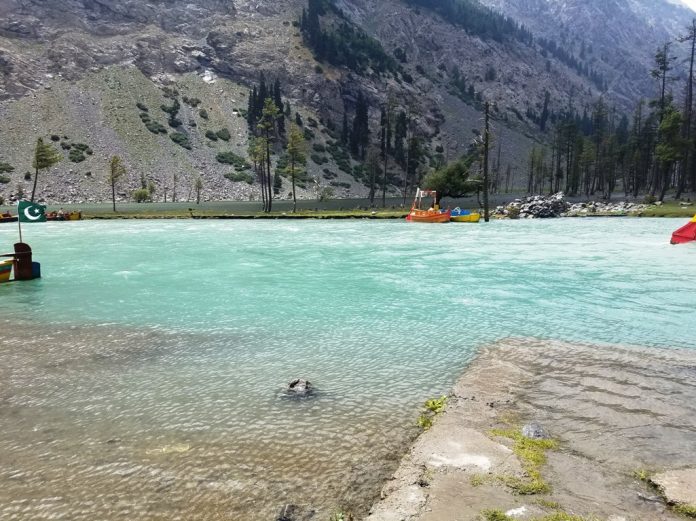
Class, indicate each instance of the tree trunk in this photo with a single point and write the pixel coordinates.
(113, 194)
(33, 190)
(294, 199)
(486, 216)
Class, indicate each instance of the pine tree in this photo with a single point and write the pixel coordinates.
(45, 156)
(198, 186)
(116, 171)
(267, 126)
(296, 150)
(251, 108)
(360, 135)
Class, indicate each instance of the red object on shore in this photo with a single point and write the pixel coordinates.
(685, 233)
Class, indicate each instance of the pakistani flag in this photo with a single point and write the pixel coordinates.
(31, 212)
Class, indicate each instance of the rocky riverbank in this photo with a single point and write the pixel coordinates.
(556, 205)
(617, 417)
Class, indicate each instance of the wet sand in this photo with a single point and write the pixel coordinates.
(615, 410)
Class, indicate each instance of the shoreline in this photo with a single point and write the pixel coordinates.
(619, 415)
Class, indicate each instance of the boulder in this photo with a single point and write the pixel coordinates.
(678, 486)
(300, 387)
(535, 431)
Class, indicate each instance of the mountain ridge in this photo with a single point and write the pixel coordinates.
(54, 56)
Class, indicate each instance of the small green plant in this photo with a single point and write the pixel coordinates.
(532, 455)
(425, 421)
(27, 176)
(495, 515)
(686, 510)
(142, 107)
(4, 179)
(545, 503)
(477, 480)
(211, 135)
(436, 405)
(641, 474)
(203, 113)
(340, 515)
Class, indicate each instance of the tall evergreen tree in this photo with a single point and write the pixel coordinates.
(45, 156)
(360, 136)
(268, 128)
(116, 171)
(296, 150)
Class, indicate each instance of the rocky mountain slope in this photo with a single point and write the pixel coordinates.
(80, 71)
(618, 37)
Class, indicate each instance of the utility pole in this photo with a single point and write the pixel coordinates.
(486, 144)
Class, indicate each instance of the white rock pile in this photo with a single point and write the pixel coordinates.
(542, 207)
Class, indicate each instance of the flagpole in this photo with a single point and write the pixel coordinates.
(19, 223)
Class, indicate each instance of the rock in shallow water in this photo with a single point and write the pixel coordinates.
(300, 387)
(295, 513)
(678, 486)
(535, 431)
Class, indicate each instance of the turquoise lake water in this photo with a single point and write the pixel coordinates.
(142, 376)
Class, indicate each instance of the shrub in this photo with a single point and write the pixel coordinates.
(319, 148)
(326, 193)
(319, 160)
(141, 195)
(318, 69)
(55, 137)
(340, 184)
(203, 113)
(308, 134)
(193, 102)
(142, 107)
(180, 139)
(211, 135)
(312, 122)
(27, 176)
(230, 158)
(224, 134)
(81, 147)
(4, 179)
(76, 155)
(145, 117)
(174, 122)
(240, 177)
(155, 127)
(65, 145)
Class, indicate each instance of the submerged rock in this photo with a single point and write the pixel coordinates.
(300, 387)
(295, 513)
(535, 431)
(678, 486)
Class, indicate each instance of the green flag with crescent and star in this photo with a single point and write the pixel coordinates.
(31, 212)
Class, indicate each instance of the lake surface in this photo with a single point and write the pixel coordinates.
(142, 377)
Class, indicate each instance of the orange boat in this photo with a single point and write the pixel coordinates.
(432, 214)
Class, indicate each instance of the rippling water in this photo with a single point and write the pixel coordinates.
(141, 377)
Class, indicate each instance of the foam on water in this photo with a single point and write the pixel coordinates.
(142, 376)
